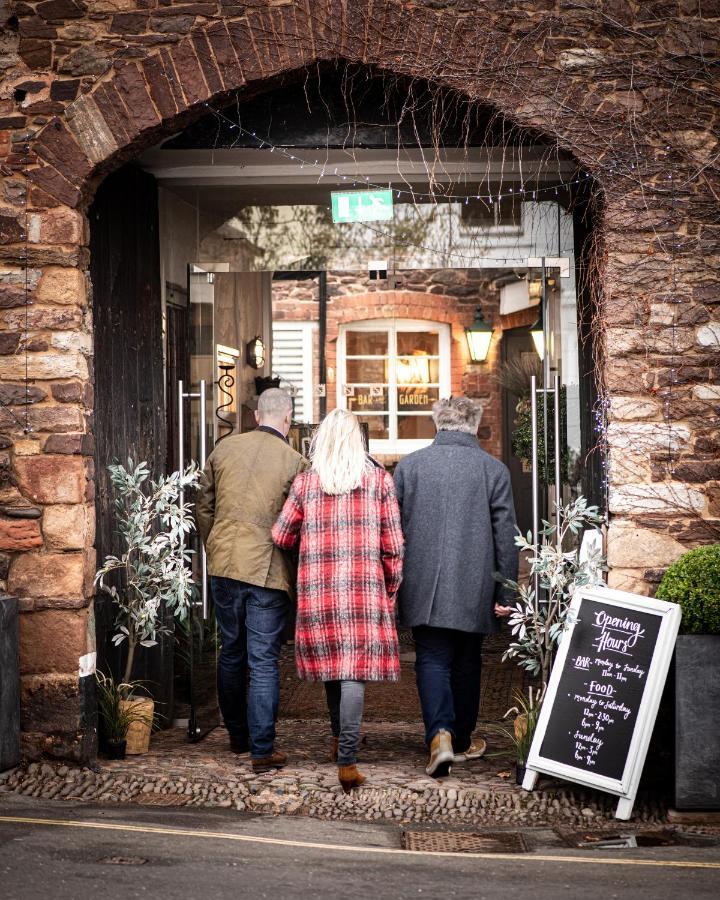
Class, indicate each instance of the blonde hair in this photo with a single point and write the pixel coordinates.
(338, 452)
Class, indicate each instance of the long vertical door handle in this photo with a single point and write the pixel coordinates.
(535, 474)
(203, 454)
(558, 456)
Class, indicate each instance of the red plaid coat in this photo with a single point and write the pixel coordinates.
(350, 568)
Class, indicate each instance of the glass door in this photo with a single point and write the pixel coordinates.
(196, 639)
(555, 395)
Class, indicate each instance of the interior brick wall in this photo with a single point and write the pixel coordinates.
(449, 296)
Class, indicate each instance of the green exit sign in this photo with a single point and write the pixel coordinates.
(362, 206)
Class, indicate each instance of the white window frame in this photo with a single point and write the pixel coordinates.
(393, 444)
(308, 381)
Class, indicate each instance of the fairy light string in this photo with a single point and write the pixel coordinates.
(365, 182)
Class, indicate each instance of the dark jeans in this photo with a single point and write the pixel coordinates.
(345, 700)
(447, 669)
(251, 621)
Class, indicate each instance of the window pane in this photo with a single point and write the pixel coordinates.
(369, 371)
(368, 399)
(415, 427)
(378, 426)
(366, 343)
(417, 399)
(417, 370)
(412, 343)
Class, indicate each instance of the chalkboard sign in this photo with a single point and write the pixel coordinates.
(605, 687)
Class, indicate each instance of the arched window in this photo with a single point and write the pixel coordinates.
(390, 372)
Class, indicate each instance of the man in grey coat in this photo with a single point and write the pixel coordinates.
(458, 519)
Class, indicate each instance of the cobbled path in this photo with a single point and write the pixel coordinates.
(173, 773)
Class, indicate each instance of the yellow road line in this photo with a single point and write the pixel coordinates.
(342, 848)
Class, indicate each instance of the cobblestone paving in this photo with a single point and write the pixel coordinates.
(393, 757)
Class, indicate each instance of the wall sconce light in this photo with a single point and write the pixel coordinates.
(537, 333)
(479, 335)
(255, 352)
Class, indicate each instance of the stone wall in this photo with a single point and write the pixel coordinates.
(436, 295)
(623, 86)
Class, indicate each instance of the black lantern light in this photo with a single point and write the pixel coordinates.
(479, 335)
(255, 352)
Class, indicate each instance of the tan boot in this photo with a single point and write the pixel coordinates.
(350, 777)
(334, 748)
(441, 755)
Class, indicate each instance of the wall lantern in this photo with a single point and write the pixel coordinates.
(537, 333)
(255, 352)
(479, 335)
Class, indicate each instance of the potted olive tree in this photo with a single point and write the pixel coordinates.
(694, 583)
(152, 573)
(538, 619)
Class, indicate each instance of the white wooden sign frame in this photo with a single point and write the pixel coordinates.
(626, 787)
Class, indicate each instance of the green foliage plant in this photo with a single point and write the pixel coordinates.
(522, 436)
(526, 712)
(154, 570)
(116, 717)
(694, 583)
(538, 620)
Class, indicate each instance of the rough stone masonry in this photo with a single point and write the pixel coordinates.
(627, 87)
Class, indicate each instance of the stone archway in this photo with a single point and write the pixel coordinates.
(514, 64)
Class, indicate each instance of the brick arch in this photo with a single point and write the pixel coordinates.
(136, 103)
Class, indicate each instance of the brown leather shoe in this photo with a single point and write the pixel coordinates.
(266, 763)
(334, 749)
(350, 777)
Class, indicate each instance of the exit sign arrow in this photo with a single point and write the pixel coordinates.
(362, 206)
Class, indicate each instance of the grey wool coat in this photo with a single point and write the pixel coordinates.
(458, 519)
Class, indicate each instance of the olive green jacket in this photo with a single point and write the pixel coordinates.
(242, 491)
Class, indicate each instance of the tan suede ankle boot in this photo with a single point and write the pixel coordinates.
(350, 777)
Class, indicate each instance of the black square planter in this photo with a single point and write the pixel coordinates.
(9, 683)
(697, 722)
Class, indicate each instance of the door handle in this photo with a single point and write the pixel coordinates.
(201, 396)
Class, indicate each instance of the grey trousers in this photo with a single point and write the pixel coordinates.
(345, 700)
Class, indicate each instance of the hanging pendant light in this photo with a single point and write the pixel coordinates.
(479, 336)
(537, 333)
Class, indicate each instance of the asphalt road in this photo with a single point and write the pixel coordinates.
(71, 851)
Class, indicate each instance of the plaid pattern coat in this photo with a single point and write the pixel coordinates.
(350, 568)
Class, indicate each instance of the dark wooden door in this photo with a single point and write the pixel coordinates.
(129, 380)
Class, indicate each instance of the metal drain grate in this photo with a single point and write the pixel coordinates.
(162, 800)
(123, 861)
(465, 842)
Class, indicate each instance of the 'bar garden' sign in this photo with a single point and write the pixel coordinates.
(597, 717)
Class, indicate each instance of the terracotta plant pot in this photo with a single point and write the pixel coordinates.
(138, 735)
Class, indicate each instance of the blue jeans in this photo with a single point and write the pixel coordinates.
(251, 621)
(447, 670)
(345, 700)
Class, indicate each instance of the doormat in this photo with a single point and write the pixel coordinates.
(465, 842)
(161, 800)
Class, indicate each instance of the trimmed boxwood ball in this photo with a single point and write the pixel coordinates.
(694, 582)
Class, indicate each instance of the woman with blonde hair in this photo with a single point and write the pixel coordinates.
(344, 516)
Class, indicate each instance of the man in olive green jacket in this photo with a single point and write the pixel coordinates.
(242, 490)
